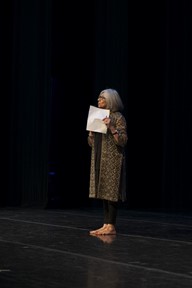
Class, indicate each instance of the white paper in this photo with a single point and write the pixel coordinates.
(95, 119)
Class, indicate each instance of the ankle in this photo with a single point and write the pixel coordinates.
(111, 227)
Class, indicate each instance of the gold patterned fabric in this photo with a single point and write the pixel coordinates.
(111, 181)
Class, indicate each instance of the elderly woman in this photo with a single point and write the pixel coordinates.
(108, 169)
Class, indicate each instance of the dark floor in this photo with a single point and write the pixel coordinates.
(53, 248)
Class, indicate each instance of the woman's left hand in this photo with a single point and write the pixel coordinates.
(107, 121)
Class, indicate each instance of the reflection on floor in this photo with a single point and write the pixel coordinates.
(42, 248)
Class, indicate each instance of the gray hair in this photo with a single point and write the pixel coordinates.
(113, 100)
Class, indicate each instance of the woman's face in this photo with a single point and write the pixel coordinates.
(102, 101)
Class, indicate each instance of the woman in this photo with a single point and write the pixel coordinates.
(107, 170)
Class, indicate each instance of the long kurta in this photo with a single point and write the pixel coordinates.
(108, 181)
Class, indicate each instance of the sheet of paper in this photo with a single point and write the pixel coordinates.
(94, 120)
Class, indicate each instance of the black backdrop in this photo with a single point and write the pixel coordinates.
(55, 58)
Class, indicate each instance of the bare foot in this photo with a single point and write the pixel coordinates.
(93, 232)
(108, 230)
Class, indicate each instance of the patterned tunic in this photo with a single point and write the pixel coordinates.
(108, 172)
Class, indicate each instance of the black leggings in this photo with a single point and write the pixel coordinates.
(110, 211)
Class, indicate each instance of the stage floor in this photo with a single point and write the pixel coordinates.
(42, 248)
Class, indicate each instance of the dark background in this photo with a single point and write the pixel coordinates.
(56, 56)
